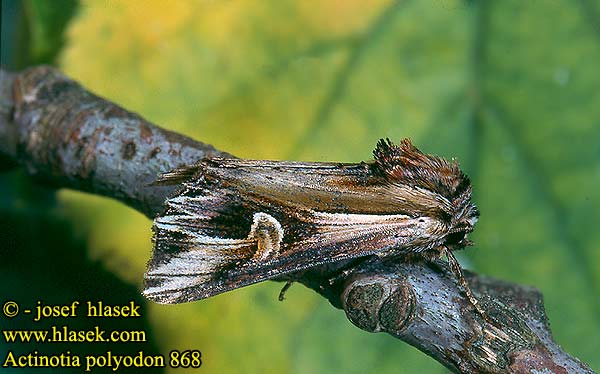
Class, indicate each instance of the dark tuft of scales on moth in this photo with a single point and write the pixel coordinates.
(405, 164)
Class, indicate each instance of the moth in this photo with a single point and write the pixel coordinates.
(236, 222)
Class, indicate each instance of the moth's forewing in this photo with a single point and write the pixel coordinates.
(209, 239)
(331, 187)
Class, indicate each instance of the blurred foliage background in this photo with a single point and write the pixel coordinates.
(509, 88)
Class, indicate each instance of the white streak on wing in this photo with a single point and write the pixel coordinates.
(186, 205)
(344, 219)
(184, 270)
(349, 227)
(189, 263)
(216, 241)
(176, 219)
(165, 225)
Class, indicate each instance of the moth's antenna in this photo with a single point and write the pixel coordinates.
(457, 271)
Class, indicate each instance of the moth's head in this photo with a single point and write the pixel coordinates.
(462, 224)
(444, 191)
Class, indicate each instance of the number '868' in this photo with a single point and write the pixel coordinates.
(185, 359)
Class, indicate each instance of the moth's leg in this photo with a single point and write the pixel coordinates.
(268, 233)
(284, 289)
(457, 271)
(289, 279)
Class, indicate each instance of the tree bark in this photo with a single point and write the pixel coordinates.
(64, 135)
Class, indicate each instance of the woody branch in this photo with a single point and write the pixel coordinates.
(64, 135)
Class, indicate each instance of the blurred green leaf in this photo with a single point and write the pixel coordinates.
(47, 21)
(509, 88)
